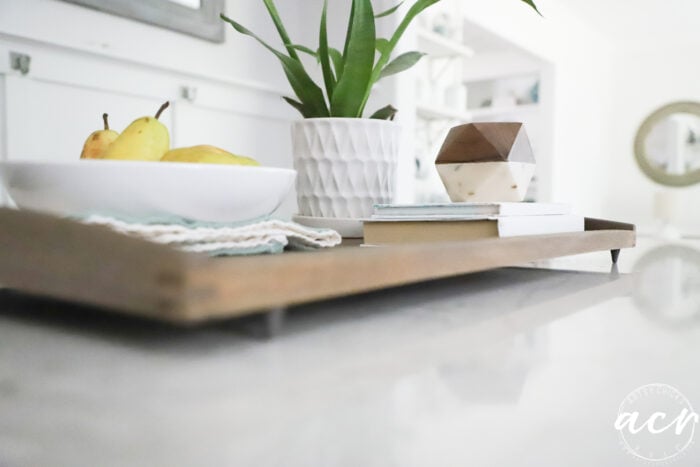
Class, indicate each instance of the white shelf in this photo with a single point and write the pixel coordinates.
(430, 112)
(436, 45)
(485, 112)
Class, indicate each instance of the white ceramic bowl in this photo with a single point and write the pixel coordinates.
(147, 190)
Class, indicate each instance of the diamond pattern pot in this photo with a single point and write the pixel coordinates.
(344, 165)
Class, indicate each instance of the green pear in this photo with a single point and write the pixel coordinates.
(205, 154)
(97, 143)
(146, 139)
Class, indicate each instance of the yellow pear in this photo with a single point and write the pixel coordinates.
(98, 142)
(146, 139)
(205, 154)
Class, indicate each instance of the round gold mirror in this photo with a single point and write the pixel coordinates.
(667, 146)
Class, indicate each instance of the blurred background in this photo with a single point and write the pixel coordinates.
(583, 78)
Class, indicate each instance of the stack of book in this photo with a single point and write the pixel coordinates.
(396, 223)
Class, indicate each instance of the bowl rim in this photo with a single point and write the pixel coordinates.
(143, 164)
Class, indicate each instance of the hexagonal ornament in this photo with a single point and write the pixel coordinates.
(486, 162)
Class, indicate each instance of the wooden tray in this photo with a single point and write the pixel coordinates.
(63, 259)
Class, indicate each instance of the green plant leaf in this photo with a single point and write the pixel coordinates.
(359, 61)
(532, 4)
(401, 63)
(306, 50)
(382, 44)
(385, 113)
(328, 77)
(310, 95)
(272, 9)
(348, 33)
(338, 62)
(417, 8)
(390, 11)
(350, 79)
(297, 105)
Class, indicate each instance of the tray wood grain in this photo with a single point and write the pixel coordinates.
(59, 258)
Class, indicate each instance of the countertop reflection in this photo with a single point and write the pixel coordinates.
(513, 367)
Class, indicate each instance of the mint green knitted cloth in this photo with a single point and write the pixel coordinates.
(259, 236)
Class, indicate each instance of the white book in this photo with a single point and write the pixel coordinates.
(518, 226)
(395, 230)
(456, 211)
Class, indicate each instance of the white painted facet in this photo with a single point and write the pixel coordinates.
(521, 150)
(345, 165)
(486, 181)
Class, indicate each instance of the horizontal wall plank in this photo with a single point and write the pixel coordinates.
(60, 65)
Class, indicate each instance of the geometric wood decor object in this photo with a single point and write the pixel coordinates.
(486, 162)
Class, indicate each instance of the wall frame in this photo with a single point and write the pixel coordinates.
(640, 152)
(199, 18)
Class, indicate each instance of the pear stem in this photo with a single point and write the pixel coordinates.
(162, 108)
(105, 118)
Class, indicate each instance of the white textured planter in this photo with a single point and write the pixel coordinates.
(344, 165)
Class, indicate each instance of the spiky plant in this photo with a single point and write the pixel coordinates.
(348, 75)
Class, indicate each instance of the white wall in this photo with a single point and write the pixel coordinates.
(238, 59)
(653, 48)
(578, 75)
(645, 80)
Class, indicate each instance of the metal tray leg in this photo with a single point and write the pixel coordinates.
(274, 322)
(615, 255)
(263, 326)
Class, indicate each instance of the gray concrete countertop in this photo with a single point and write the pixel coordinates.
(513, 367)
